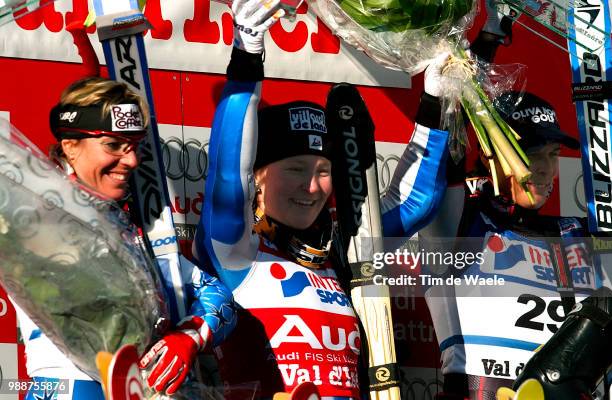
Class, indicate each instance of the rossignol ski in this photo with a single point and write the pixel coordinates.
(120, 25)
(359, 220)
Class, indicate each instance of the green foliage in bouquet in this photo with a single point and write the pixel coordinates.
(403, 15)
(89, 296)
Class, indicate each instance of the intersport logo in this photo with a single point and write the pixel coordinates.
(327, 288)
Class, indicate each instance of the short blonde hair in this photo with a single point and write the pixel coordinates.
(95, 90)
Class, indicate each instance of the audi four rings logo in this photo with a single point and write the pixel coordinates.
(188, 159)
(419, 389)
(579, 194)
(386, 168)
(383, 374)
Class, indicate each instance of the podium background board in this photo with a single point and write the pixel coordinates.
(188, 51)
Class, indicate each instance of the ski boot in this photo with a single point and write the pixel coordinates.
(571, 364)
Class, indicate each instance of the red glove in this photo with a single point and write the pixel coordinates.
(173, 356)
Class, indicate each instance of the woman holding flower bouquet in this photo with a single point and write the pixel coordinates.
(488, 334)
(98, 124)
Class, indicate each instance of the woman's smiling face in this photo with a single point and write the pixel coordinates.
(103, 163)
(294, 190)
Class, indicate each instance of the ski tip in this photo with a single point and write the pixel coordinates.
(303, 391)
(124, 378)
(531, 389)
(505, 393)
(91, 19)
(103, 360)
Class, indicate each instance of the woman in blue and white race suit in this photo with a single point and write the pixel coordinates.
(97, 149)
(267, 229)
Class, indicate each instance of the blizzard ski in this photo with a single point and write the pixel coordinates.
(591, 60)
(586, 27)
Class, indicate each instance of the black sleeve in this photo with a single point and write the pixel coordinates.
(245, 67)
(485, 46)
(429, 112)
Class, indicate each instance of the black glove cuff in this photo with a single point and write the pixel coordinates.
(245, 66)
(429, 112)
(506, 27)
(485, 46)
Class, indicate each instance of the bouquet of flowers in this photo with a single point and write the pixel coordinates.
(408, 35)
(71, 260)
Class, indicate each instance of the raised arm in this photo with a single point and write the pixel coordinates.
(419, 181)
(418, 195)
(224, 236)
(418, 184)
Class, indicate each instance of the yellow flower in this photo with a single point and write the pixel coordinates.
(4, 225)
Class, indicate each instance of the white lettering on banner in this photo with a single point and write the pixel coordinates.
(3, 307)
(198, 35)
(307, 336)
